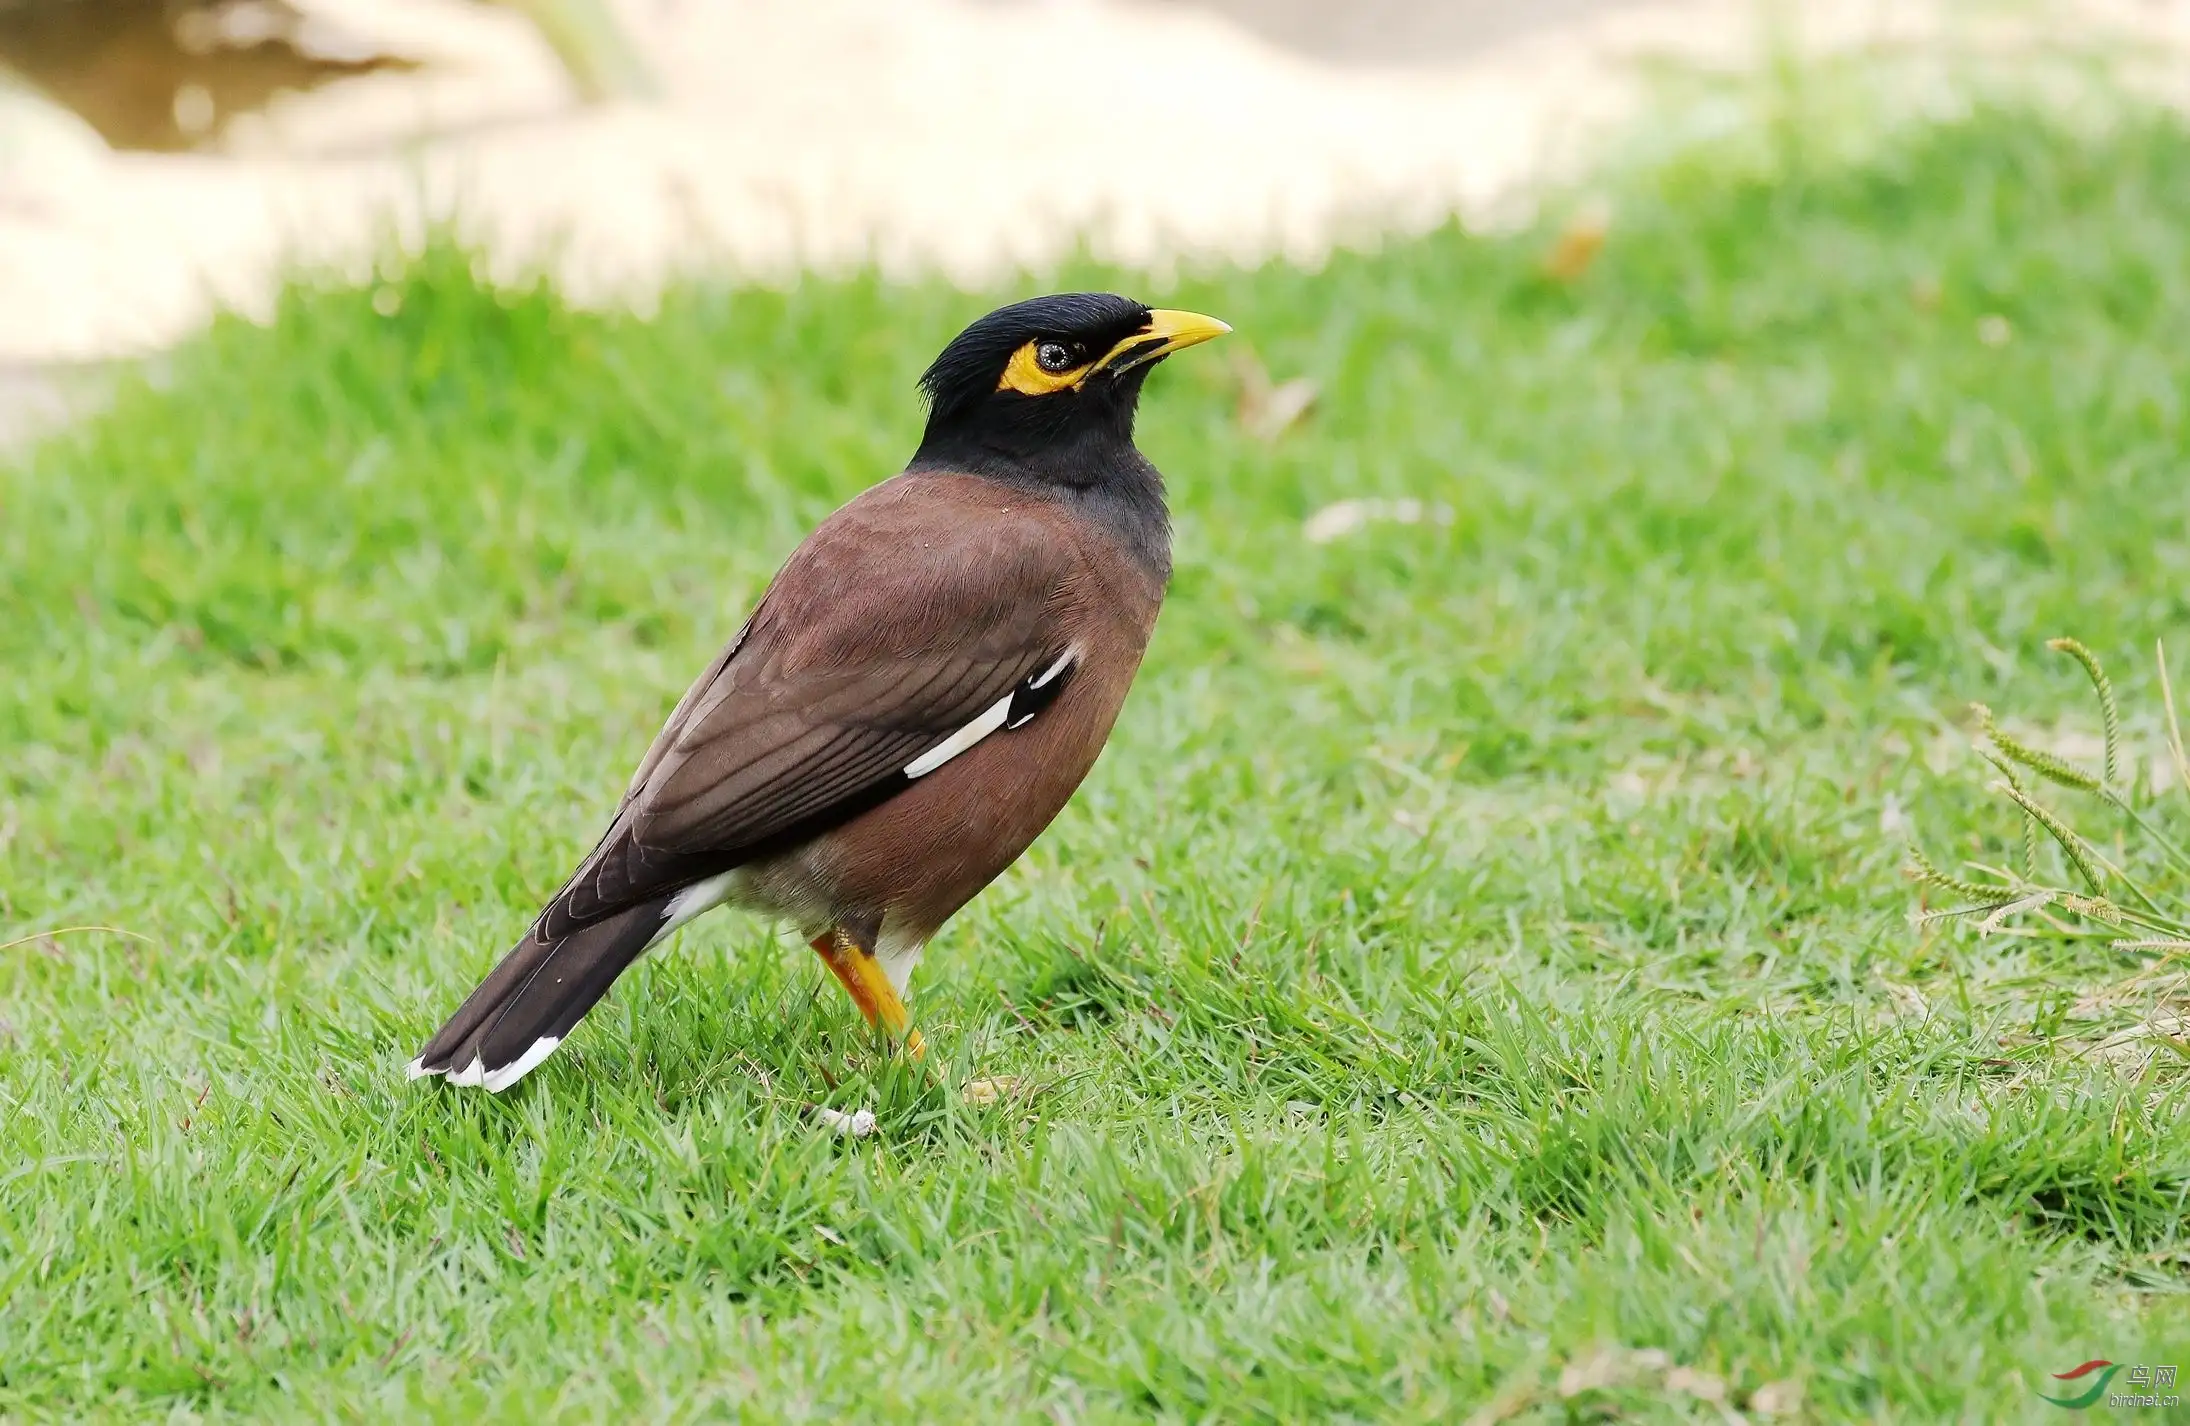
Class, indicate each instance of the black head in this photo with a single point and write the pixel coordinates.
(1051, 383)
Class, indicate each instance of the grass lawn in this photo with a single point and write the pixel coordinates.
(1477, 978)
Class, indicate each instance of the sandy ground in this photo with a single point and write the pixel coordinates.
(1397, 32)
(967, 136)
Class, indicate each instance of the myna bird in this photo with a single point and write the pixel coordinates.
(914, 698)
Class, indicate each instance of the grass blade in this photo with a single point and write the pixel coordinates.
(2174, 723)
(2109, 712)
(2045, 764)
(2079, 855)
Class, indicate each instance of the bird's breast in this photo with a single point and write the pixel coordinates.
(927, 851)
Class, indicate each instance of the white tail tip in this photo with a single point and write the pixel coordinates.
(509, 1074)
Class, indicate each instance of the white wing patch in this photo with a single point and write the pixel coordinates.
(961, 740)
(996, 715)
(1041, 681)
(1048, 675)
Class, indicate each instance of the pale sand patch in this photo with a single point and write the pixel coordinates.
(947, 135)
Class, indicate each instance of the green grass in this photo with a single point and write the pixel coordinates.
(1478, 975)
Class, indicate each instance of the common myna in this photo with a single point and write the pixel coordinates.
(915, 696)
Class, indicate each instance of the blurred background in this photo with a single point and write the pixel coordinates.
(159, 158)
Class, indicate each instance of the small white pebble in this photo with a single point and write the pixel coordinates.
(858, 1124)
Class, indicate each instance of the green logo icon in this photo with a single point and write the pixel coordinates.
(2104, 1368)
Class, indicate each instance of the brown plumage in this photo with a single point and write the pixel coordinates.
(914, 698)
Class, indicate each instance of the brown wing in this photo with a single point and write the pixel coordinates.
(898, 622)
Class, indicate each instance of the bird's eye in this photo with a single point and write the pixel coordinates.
(1053, 357)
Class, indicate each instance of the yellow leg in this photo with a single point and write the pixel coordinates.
(855, 965)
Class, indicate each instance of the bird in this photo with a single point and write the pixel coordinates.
(912, 700)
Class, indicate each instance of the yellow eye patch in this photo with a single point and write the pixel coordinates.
(1025, 375)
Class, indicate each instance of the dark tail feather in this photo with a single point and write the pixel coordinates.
(541, 989)
(524, 958)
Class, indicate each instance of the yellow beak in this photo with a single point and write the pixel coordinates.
(1167, 332)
